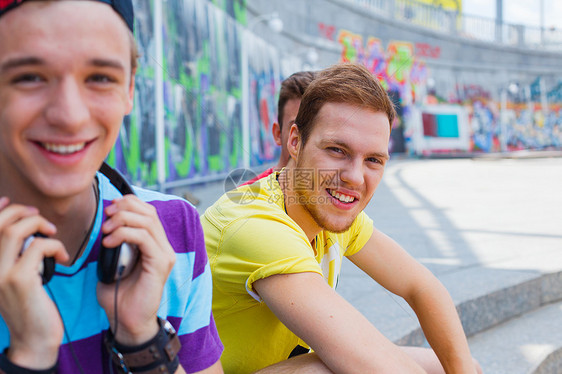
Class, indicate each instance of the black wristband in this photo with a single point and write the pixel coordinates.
(158, 355)
(8, 367)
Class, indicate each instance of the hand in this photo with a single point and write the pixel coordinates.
(136, 222)
(36, 329)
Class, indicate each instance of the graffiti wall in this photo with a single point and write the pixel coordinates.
(135, 150)
(202, 94)
(531, 128)
(264, 84)
(401, 69)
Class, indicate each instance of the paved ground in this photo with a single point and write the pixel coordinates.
(489, 228)
(480, 225)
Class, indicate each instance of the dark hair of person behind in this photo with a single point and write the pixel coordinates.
(342, 83)
(293, 88)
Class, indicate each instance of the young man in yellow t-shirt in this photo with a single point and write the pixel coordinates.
(276, 246)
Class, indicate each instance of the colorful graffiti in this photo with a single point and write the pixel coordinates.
(327, 31)
(484, 126)
(529, 127)
(400, 73)
(264, 85)
(396, 66)
(234, 8)
(135, 150)
(427, 50)
(445, 4)
(202, 89)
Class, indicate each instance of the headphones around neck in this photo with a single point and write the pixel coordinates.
(113, 263)
(117, 262)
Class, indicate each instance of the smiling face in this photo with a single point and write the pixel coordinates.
(65, 85)
(347, 149)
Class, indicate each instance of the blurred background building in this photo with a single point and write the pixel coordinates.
(210, 72)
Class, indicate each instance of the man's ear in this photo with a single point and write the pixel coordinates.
(131, 93)
(294, 141)
(276, 131)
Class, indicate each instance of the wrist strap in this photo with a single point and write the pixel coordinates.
(158, 355)
(8, 367)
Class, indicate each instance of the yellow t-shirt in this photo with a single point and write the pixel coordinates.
(250, 237)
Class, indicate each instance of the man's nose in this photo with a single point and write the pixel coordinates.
(67, 106)
(352, 173)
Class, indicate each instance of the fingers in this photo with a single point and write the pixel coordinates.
(45, 247)
(18, 222)
(133, 221)
(132, 213)
(4, 201)
(32, 259)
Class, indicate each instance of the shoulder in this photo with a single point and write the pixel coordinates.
(262, 200)
(179, 219)
(361, 228)
(159, 198)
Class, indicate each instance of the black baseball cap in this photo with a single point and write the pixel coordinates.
(123, 7)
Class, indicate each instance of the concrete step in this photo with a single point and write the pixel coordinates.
(529, 344)
(484, 297)
(513, 317)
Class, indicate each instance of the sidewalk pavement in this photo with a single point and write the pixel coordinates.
(489, 228)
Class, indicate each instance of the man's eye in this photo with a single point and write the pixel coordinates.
(27, 78)
(336, 150)
(101, 78)
(374, 160)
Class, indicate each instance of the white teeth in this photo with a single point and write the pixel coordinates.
(64, 149)
(341, 197)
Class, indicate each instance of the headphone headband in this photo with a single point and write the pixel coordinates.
(117, 179)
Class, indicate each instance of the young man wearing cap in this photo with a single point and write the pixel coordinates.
(276, 258)
(66, 82)
(288, 104)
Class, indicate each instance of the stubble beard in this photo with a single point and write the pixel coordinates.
(323, 219)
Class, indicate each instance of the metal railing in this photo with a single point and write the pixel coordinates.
(467, 26)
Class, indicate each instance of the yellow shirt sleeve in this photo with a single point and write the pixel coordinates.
(257, 247)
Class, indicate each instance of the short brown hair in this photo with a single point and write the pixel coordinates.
(342, 83)
(293, 88)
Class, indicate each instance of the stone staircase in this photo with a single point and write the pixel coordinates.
(513, 320)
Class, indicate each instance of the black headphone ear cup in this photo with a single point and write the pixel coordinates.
(123, 258)
(107, 264)
(48, 269)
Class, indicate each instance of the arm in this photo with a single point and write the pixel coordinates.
(308, 363)
(343, 339)
(137, 222)
(134, 221)
(216, 368)
(392, 267)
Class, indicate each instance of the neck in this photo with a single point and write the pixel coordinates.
(283, 160)
(297, 211)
